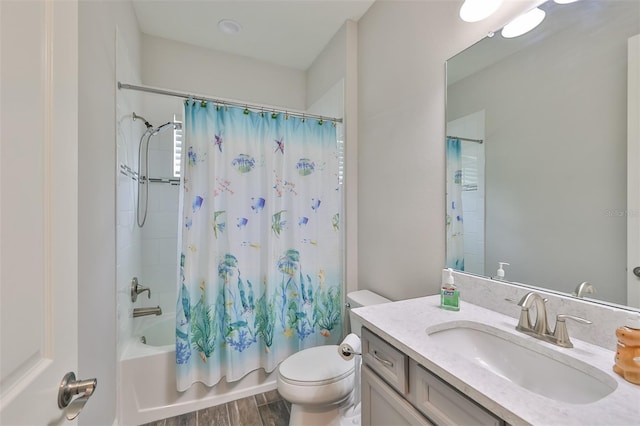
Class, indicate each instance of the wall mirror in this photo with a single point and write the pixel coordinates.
(538, 130)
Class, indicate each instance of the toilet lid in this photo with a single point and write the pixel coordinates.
(317, 365)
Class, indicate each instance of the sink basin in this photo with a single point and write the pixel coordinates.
(524, 362)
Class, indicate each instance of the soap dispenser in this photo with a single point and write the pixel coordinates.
(627, 359)
(500, 272)
(449, 294)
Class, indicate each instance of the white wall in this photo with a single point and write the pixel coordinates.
(334, 75)
(97, 183)
(403, 46)
(185, 68)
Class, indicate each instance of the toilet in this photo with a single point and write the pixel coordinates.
(318, 394)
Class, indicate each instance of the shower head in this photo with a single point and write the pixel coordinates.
(146, 123)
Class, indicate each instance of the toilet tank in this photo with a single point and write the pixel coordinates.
(360, 298)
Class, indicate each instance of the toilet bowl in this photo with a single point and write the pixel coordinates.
(317, 381)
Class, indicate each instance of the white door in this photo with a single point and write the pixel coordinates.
(633, 173)
(38, 207)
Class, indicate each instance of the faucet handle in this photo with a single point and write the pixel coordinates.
(515, 302)
(136, 289)
(561, 334)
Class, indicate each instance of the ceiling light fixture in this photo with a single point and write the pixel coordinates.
(229, 26)
(523, 23)
(565, 1)
(477, 10)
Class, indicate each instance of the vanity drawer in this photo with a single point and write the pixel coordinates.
(387, 361)
(443, 404)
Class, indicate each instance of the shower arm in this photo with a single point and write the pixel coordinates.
(146, 123)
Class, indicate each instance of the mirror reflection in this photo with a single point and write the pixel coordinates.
(538, 128)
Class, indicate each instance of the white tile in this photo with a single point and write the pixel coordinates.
(160, 164)
(168, 251)
(161, 224)
(150, 253)
(161, 278)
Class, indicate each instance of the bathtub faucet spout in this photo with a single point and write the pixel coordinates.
(141, 312)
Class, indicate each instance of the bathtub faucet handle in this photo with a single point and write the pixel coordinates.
(136, 289)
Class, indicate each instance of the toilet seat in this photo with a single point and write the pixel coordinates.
(316, 377)
(320, 365)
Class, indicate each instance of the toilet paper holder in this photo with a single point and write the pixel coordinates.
(350, 347)
(348, 351)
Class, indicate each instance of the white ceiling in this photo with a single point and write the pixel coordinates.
(285, 32)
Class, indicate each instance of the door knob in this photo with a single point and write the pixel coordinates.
(70, 387)
(636, 271)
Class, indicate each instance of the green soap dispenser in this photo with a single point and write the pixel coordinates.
(449, 294)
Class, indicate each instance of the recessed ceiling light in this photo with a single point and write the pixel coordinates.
(523, 23)
(477, 10)
(229, 26)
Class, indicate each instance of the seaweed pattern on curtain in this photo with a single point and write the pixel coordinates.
(454, 217)
(260, 264)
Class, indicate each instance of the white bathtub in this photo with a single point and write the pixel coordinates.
(148, 378)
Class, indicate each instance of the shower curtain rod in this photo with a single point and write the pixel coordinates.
(466, 139)
(221, 102)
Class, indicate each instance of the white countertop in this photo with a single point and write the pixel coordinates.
(403, 325)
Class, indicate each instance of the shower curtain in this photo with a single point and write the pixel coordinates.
(261, 249)
(455, 234)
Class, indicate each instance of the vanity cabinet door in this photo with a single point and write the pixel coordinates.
(382, 406)
(442, 403)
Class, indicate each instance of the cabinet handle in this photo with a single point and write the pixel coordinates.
(382, 360)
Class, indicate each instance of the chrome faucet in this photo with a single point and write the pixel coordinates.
(137, 289)
(540, 329)
(584, 288)
(141, 312)
(541, 326)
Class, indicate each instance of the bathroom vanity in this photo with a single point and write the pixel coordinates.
(409, 393)
(425, 365)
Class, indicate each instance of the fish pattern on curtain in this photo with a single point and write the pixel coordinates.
(261, 249)
(454, 222)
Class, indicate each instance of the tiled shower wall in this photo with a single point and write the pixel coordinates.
(129, 236)
(160, 232)
(147, 253)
